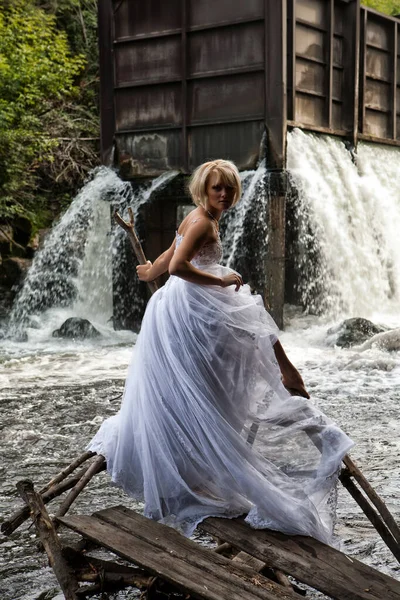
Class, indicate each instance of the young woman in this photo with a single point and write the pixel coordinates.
(207, 365)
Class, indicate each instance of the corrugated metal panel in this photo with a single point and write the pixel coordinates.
(324, 56)
(239, 96)
(226, 49)
(144, 18)
(229, 68)
(211, 12)
(239, 142)
(144, 61)
(146, 107)
(189, 82)
(379, 81)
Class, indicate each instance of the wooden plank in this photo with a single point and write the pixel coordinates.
(166, 553)
(308, 560)
(377, 520)
(48, 536)
(128, 519)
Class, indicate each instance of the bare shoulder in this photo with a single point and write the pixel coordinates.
(195, 225)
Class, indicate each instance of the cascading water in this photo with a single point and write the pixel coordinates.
(73, 271)
(244, 229)
(348, 218)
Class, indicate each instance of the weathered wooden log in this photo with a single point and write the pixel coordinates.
(19, 517)
(172, 557)
(379, 504)
(259, 566)
(370, 513)
(48, 536)
(282, 579)
(67, 471)
(136, 245)
(98, 465)
(222, 548)
(92, 569)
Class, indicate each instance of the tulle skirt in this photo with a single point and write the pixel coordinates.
(206, 427)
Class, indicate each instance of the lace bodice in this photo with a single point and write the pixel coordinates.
(210, 254)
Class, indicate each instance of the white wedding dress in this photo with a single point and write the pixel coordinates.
(202, 380)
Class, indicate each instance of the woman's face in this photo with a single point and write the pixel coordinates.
(220, 196)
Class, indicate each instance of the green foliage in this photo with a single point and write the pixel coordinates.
(36, 72)
(78, 19)
(48, 104)
(390, 7)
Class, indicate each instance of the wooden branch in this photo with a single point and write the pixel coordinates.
(379, 504)
(372, 515)
(98, 465)
(136, 245)
(283, 579)
(259, 565)
(11, 240)
(19, 517)
(222, 548)
(91, 569)
(67, 471)
(48, 536)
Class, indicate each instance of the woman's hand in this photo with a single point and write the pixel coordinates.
(232, 279)
(143, 271)
(294, 383)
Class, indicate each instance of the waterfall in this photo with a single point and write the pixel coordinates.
(244, 229)
(347, 209)
(345, 216)
(73, 270)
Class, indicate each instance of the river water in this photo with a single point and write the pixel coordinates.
(55, 393)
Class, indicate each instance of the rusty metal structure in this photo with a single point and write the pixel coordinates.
(186, 81)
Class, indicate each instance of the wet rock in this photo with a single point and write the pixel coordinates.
(77, 328)
(352, 332)
(22, 228)
(387, 340)
(6, 301)
(19, 336)
(43, 233)
(13, 270)
(6, 234)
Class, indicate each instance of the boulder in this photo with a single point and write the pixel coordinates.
(13, 270)
(77, 328)
(352, 332)
(22, 230)
(387, 340)
(6, 234)
(42, 233)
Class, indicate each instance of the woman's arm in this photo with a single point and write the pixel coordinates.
(291, 378)
(195, 238)
(151, 271)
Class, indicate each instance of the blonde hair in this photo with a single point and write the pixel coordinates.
(228, 174)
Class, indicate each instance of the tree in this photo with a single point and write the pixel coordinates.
(40, 114)
(390, 7)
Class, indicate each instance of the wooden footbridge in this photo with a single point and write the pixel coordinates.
(248, 564)
(202, 573)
